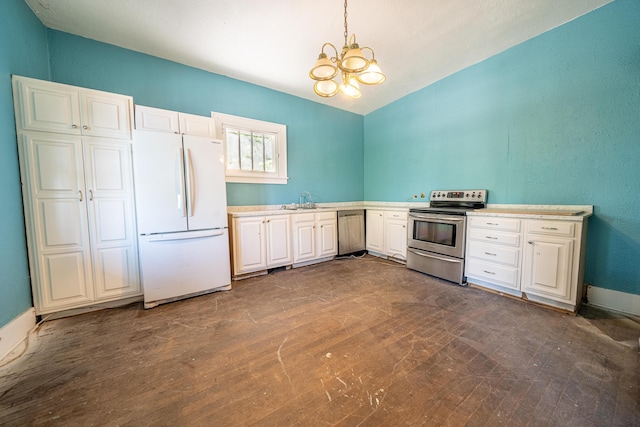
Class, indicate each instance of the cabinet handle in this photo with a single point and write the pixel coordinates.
(549, 228)
(531, 242)
(489, 253)
(489, 272)
(491, 223)
(91, 195)
(74, 126)
(80, 191)
(492, 238)
(85, 127)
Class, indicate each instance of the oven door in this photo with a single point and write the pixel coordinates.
(439, 233)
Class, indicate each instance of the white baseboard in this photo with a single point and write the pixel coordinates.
(614, 300)
(14, 332)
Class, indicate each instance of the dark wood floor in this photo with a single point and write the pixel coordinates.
(349, 343)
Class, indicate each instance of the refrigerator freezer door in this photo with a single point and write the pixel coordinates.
(179, 265)
(205, 183)
(158, 167)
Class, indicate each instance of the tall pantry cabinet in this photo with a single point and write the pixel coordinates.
(74, 146)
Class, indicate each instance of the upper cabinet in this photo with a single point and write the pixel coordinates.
(54, 107)
(158, 120)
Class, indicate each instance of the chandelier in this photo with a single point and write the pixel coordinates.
(352, 65)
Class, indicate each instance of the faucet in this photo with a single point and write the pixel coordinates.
(305, 195)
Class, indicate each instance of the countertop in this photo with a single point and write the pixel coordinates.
(558, 212)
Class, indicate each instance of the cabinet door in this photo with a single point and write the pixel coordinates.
(46, 106)
(249, 249)
(57, 221)
(111, 219)
(105, 114)
(375, 231)
(395, 238)
(547, 267)
(197, 125)
(156, 119)
(304, 241)
(327, 238)
(279, 240)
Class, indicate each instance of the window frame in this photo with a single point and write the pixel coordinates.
(222, 121)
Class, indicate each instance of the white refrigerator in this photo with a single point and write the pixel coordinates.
(181, 206)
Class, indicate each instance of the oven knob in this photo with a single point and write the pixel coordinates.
(466, 195)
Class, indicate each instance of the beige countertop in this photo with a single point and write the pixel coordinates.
(561, 212)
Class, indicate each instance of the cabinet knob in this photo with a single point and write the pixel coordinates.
(531, 242)
(85, 127)
(74, 126)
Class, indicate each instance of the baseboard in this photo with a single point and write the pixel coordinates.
(14, 332)
(613, 300)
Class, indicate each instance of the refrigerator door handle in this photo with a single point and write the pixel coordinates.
(191, 185)
(186, 235)
(180, 183)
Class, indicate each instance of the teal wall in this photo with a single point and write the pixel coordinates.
(555, 120)
(23, 50)
(325, 145)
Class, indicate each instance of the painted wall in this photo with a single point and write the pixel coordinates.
(555, 120)
(23, 50)
(325, 145)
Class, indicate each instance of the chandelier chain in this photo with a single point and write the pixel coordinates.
(346, 31)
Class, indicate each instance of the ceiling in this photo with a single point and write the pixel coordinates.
(275, 43)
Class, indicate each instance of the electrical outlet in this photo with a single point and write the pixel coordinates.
(422, 195)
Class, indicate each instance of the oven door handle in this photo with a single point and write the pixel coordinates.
(437, 217)
(434, 257)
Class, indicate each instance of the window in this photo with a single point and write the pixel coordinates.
(255, 151)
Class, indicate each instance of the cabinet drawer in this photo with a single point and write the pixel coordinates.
(323, 216)
(556, 228)
(494, 253)
(402, 216)
(495, 223)
(304, 217)
(499, 275)
(488, 236)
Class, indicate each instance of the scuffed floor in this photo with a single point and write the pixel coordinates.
(350, 342)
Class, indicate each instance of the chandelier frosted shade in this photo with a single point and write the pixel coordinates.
(372, 75)
(354, 60)
(350, 86)
(325, 88)
(323, 69)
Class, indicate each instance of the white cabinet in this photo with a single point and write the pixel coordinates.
(493, 253)
(261, 242)
(395, 234)
(549, 267)
(540, 260)
(374, 226)
(386, 233)
(79, 215)
(315, 237)
(54, 107)
(159, 120)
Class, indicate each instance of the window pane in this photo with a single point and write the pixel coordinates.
(270, 153)
(233, 149)
(245, 151)
(258, 153)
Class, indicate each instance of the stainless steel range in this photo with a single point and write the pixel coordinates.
(437, 234)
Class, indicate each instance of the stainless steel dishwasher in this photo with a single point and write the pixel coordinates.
(351, 236)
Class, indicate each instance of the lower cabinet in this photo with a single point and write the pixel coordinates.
(315, 237)
(282, 239)
(386, 234)
(260, 243)
(535, 259)
(549, 267)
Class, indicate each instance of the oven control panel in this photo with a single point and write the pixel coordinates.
(459, 196)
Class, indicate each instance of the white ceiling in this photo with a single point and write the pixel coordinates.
(274, 43)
